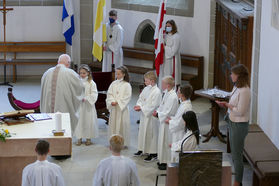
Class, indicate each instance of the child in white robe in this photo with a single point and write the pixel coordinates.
(87, 126)
(176, 123)
(116, 170)
(42, 172)
(192, 134)
(149, 100)
(118, 97)
(167, 108)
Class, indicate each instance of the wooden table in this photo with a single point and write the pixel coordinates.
(19, 150)
(215, 109)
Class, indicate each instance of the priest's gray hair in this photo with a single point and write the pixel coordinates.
(64, 58)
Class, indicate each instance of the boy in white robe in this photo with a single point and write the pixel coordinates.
(176, 123)
(62, 90)
(149, 100)
(167, 108)
(172, 58)
(118, 97)
(113, 53)
(87, 126)
(192, 135)
(42, 172)
(116, 170)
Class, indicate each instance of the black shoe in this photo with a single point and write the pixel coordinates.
(162, 166)
(151, 158)
(139, 153)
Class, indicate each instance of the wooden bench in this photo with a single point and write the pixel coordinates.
(31, 47)
(196, 80)
(263, 156)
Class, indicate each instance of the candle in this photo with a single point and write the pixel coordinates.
(58, 121)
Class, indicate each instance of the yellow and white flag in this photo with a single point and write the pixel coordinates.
(100, 35)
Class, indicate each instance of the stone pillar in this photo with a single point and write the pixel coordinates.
(86, 31)
(211, 44)
(255, 62)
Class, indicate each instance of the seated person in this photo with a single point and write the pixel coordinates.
(191, 131)
(42, 172)
(116, 170)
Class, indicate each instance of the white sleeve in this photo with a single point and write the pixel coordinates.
(147, 110)
(98, 178)
(93, 94)
(134, 176)
(170, 105)
(170, 51)
(59, 178)
(25, 181)
(124, 99)
(110, 97)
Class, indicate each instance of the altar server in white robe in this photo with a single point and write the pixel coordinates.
(87, 126)
(116, 170)
(42, 172)
(176, 123)
(167, 108)
(62, 90)
(113, 53)
(149, 100)
(191, 133)
(172, 60)
(118, 97)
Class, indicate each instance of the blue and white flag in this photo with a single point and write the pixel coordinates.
(68, 20)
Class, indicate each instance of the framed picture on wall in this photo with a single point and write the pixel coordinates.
(275, 14)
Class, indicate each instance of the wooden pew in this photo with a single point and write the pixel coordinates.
(263, 156)
(196, 80)
(31, 47)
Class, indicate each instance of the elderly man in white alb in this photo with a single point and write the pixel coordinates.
(62, 90)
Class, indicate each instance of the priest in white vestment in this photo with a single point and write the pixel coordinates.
(149, 100)
(167, 108)
(62, 90)
(113, 53)
(172, 59)
(42, 172)
(116, 170)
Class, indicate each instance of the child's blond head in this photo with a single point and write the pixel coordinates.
(151, 76)
(169, 80)
(116, 143)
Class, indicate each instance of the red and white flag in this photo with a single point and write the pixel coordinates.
(159, 36)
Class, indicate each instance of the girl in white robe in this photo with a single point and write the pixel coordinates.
(149, 100)
(118, 97)
(172, 60)
(87, 126)
(167, 108)
(113, 53)
(192, 134)
(176, 123)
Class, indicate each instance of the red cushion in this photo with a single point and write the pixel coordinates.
(27, 106)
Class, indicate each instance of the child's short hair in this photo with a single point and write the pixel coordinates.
(186, 91)
(113, 13)
(116, 143)
(169, 80)
(42, 147)
(87, 68)
(151, 75)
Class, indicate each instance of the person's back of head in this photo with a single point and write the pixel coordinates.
(64, 59)
(42, 147)
(116, 143)
(191, 123)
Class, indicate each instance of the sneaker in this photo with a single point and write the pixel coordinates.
(88, 142)
(162, 166)
(79, 142)
(150, 158)
(139, 153)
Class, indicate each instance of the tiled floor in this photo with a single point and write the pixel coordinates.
(79, 169)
